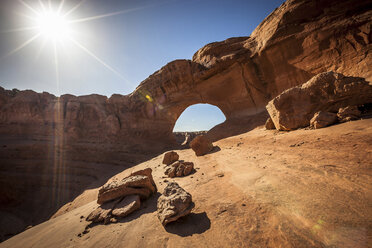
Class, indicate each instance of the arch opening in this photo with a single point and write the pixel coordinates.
(197, 119)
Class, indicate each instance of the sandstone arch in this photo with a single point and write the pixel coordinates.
(199, 117)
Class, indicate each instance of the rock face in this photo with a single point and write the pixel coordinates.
(170, 157)
(68, 134)
(327, 91)
(201, 145)
(138, 183)
(179, 169)
(348, 113)
(174, 203)
(323, 119)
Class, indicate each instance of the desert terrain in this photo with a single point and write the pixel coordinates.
(263, 188)
(307, 66)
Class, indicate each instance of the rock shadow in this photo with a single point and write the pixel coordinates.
(214, 150)
(194, 223)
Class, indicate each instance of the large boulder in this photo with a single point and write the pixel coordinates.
(138, 183)
(201, 145)
(327, 91)
(323, 119)
(102, 213)
(170, 157)
(179, 169)
(174, 203)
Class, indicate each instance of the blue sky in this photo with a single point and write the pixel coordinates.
(114, 54)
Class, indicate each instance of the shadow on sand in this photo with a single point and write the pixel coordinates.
(194, 223)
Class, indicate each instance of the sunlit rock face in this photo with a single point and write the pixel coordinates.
(56, 141)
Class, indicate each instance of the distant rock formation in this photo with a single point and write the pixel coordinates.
(46, 140)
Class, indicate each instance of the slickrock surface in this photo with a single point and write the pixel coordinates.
(264, 188)
(58, 147)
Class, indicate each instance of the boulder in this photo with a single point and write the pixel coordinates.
(138, 183)
(323, 119)
(348, 113)
(170, 157)
(179, 169)
(201, 145)
(126, 206)
(269, 125)
(326, 91)
(174, 203)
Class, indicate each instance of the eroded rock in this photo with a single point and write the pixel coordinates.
(102, 213)
(348, 113)
(201, 145)
(323, 119)
(269, 125)
(138, 183)
(126, 206)
(327, 91)
(174, 203)
(179, 169)
(170, 157)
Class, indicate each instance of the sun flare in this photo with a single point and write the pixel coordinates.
(52, 25)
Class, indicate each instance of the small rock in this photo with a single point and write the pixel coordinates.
(348, 113)
(174, 203)
(179, 169)
(126, 206)
(170, 157)
(269, 125)
(201, 145)
(323, 119)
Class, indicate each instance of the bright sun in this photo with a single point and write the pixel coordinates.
(52, 25)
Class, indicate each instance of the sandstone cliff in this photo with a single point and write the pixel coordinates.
(62, 136)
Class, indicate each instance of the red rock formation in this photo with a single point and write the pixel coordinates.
(239, 75)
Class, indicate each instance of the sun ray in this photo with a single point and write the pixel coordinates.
(27, 42)
(98, 59)
(74, 8)
(60, 6)
(18, 30)
(113, 13)
(42, 5)
(29, 7)
(40, 49)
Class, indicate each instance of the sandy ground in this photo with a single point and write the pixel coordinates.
(306, 188)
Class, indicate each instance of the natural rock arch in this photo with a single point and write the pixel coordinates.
(198, 114)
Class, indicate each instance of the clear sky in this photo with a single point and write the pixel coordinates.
(123, 43)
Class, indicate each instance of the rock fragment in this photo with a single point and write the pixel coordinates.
(348, 113)
(139, 183)
(170, 157)
(269, 125)
(201, 145)
(174, 203)
(323, 119)
(126, 206)
(179, 169)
